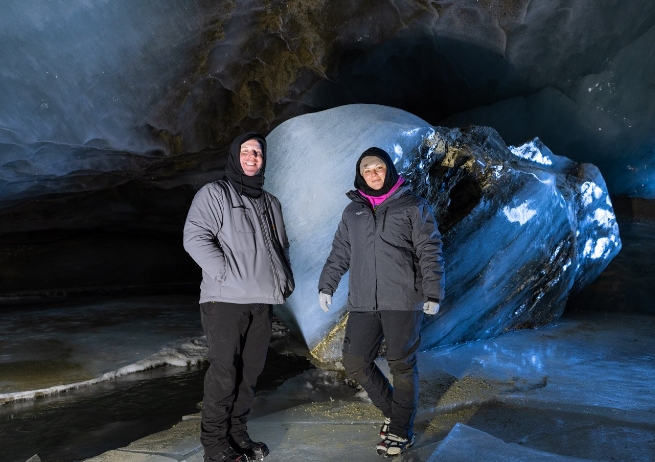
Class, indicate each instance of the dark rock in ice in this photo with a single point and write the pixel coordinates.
(522, 228)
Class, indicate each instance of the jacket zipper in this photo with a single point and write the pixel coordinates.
(267, 242)
(375, 258)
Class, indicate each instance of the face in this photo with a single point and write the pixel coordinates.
(374, 175)
(251, 157)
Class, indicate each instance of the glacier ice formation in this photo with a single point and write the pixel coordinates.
(522, 227)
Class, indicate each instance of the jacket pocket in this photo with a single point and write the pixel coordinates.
(395, 276)
(397, 230)
(244, 230)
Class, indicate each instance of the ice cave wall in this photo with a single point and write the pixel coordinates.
(109, 87)
(113, 113)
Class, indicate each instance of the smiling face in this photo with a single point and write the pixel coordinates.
(251, 157)
(374, 173)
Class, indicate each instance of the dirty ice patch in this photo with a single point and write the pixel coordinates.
(590, 192)
(521, 214)
(530, 151)
(188, 353)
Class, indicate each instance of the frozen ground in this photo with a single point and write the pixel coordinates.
(579, 389)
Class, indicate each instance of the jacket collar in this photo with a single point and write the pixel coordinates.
(403, 192)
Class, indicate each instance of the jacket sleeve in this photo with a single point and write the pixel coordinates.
(428, 247)
(203, 223)
(338, 261)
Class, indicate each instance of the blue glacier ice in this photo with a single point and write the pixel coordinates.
(523, 228)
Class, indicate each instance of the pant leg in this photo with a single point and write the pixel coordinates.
(361, 343)
(402, 332)
(222, 324)
(256, 340)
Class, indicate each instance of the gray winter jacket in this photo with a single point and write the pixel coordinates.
(241, 245)
(394, 254)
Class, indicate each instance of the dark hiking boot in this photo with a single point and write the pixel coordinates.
(251, 449)
(228, 455)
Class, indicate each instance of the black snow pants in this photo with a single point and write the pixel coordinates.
(363, 337)
(238, 337)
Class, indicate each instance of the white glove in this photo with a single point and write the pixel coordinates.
(324, 300)
(431, 308)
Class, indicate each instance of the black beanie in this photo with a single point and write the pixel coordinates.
(389, 181)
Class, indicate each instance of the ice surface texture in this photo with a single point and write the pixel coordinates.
(522, 227)
(96, 93)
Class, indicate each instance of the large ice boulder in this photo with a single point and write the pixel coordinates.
(522, 227)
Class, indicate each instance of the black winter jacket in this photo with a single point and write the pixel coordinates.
(394, 254)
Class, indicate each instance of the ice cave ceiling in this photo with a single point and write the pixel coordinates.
(114, 112)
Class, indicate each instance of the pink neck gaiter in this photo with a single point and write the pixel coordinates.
(377, 200)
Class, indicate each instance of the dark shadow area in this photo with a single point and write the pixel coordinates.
(430, 76)
(627, 285)
(122, 236)
(51, 264)
(464, 195)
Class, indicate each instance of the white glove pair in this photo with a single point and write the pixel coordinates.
(324, 300)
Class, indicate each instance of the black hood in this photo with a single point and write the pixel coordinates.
(389, 181)
(244, 184)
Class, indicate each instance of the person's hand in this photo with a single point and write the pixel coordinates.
(431, 307)
(324, 300)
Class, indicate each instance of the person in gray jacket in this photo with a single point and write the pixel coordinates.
(389, 242)
(235, 232)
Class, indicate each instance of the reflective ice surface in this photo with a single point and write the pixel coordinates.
(46, 349)
(581, 362)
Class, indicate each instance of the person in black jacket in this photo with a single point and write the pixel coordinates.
(389, 242)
